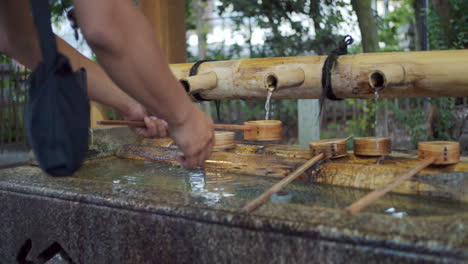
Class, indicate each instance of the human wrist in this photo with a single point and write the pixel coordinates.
(132, 111)
(182, 115)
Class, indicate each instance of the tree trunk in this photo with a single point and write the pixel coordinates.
(370, 42)
(367, 24)
(444, 9)
(201, 35)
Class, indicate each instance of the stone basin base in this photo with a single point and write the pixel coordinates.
(96, 222)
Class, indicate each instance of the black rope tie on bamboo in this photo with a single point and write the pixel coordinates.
(194, 71)
(328, 68)
(197, 96)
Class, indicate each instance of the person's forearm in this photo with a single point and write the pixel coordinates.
(100, 87)
(128, 49)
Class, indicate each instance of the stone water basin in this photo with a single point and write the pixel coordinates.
(134, 211)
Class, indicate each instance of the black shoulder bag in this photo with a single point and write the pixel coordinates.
(57, 115)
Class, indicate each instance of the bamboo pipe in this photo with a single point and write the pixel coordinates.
(393, 74)
(437, 152)
(200, 82)
(254, 204)
(284, 78)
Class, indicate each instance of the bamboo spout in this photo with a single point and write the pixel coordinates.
(386, 76)
(284, 78)
(201, 82)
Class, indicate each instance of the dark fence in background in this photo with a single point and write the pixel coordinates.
(13, 97)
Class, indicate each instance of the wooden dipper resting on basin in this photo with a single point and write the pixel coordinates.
(433, 152)
(372, 146)
(331, 148)
(321, 149)
(224, 140)
(260, 130)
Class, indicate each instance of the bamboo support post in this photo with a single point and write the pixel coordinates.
(393, 74)
(438, 153)
(254, 204)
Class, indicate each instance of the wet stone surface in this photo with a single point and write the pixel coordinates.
(117, 211)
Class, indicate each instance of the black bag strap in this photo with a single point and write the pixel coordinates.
(41, 13)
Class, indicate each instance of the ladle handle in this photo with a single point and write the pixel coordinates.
(254, 204)
(121, 123)
(231, 127)
(373, 196)
(142, 124)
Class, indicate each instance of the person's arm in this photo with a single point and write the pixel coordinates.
(128, 49)
(19, 40)
(103, 90)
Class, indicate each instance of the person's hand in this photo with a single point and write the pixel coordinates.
(155, 127)
(195, 137)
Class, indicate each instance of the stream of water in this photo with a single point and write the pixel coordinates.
(268, 105)
(376, 100)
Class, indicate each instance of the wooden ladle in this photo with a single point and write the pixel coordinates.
(260, 130)
(372, 146)
(435, 152)
(321, 149)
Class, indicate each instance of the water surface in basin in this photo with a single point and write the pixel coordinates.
(214, 187)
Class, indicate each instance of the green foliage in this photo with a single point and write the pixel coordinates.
(275, 16)
(364, 124)
(402, 15)
(14, 95)
(445, 118)
(454, 35)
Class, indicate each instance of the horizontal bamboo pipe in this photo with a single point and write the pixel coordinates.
(373, 196)
(394, 74)
(254, 204)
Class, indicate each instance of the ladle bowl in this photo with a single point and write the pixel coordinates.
(446, 152)
(331, 148)
(372, 146)
(263, 130)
